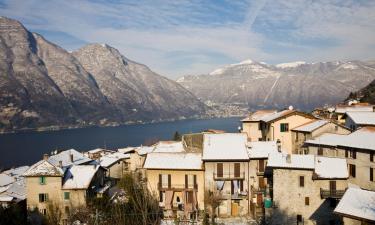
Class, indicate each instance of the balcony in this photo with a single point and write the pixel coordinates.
(177, 187)
(229, 176)
(331, 193)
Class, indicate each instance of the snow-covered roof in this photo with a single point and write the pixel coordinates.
(79, 176)
(16, 172)
(169, 146)
(291, 161)
(362, 118)
(44, 168)
(17, 190)
(261, 149)
(65, 157)
(5, 198)
(127, 149)
(5, 180)
(257, 116)
(225, 147)
(331, 168)
(277, 115)
(362, 138)
(143, 150)
(311, 126)
(178, 161)
(97, 150)
(353, 108)
(357, 203)
(110, 159)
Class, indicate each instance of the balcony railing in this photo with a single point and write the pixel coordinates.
(229, 176)
(164, 186)
(331, 193)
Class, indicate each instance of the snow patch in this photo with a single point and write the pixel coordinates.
(290, 64)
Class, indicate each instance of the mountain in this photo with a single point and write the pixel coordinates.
(366, 94)
(260, 85)
(42, 85)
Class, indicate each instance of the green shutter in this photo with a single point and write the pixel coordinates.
(66, 195)
(42, 180)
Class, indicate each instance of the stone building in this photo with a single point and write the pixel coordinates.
(358, 148)
(275, 126)
(226, 164)
(305, 188)
(313, 129)
(355, 120)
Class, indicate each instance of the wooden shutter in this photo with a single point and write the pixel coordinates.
(307, 201)
(371, 157)
(195, 181)
(352, 170)
(261, 182)
(320, 151)
(371, 174)
(241, 185)
(237, 170)
(219, 170)
(231, 187)
(161, 196)
(160, 181)
(186, 181)
(301, 181)
(332, 185)
(354, 154)
(261, 165)
(346, 154)
(169, 181)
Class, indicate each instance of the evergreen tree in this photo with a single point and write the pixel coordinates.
(177, 136)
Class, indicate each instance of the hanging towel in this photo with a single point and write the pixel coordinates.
(235, 187)
(220, 185)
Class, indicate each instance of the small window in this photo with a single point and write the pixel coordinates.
(372, 174)
(299, 218)
(43, 197)
(307, 201)
(352, 170)
(284, 127)
(44, 211)
(371, 157)
(320, 151)
(301, 181)
(66, 195)
(42, 180)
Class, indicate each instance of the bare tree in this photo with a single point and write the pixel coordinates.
(213, 199)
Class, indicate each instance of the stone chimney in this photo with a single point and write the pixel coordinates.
(45, 156)
(60, 164)
(71, 157)
(289, 158)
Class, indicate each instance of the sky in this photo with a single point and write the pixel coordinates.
(180, 37)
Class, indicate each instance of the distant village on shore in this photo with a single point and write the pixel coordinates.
(281, 167)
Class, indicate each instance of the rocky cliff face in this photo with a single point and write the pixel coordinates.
(41, 85)
(259, 85)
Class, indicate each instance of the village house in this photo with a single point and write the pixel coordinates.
(258, 153)
(358, 148)
(275, 126)
(12, 186)
(341, 110)
(357, 207)
(137, 157)
(305, 189)
(66, 180)
(313, 129)
(97, 153)
(115, 163)
(178, 178)
(355, 120)
(226, 162)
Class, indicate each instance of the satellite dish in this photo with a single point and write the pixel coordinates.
(290, 107)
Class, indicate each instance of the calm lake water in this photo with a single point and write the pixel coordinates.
(28, 148)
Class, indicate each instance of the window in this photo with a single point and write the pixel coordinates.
(189, 197)
(296, 136)
(42, 180)
(320, 151)
(371, 157)
(301, 181)
(161, 196)
(307, 201)
(352, 170)
(219, 170)
(261, 165)
(284, 127)
(66, 195)
(372, 174)
(164, 180)
(299, 219)
(43, 197)
(190, 180)
(351, 154)
(67, 210)
(44, 211)
(237, 170)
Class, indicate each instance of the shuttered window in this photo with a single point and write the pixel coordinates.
(284, 127)
(371, 157)
(237, 170)
(301, 181)
(307, 201)
(320, 151)
(372, 174)
(169, 181)
(219, 170)
(43, 197)
(42, 180)
(66, 195)
(352, 171)
(261, 165)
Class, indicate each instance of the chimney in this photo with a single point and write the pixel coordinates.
(45, 156)
(71, 157)
(289, 158)
(60, 164)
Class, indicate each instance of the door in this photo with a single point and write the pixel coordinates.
(235, 207)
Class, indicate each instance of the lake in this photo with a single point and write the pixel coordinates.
(27, 148)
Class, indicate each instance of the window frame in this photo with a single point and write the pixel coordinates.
(42, 180)
(301, 181)
(284, 127)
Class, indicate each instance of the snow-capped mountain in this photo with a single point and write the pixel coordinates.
(301, 84)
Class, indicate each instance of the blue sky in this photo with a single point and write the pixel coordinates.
(180, 37)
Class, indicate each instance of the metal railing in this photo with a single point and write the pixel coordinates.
(331, 193)
(228, 176)
(177, 186)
